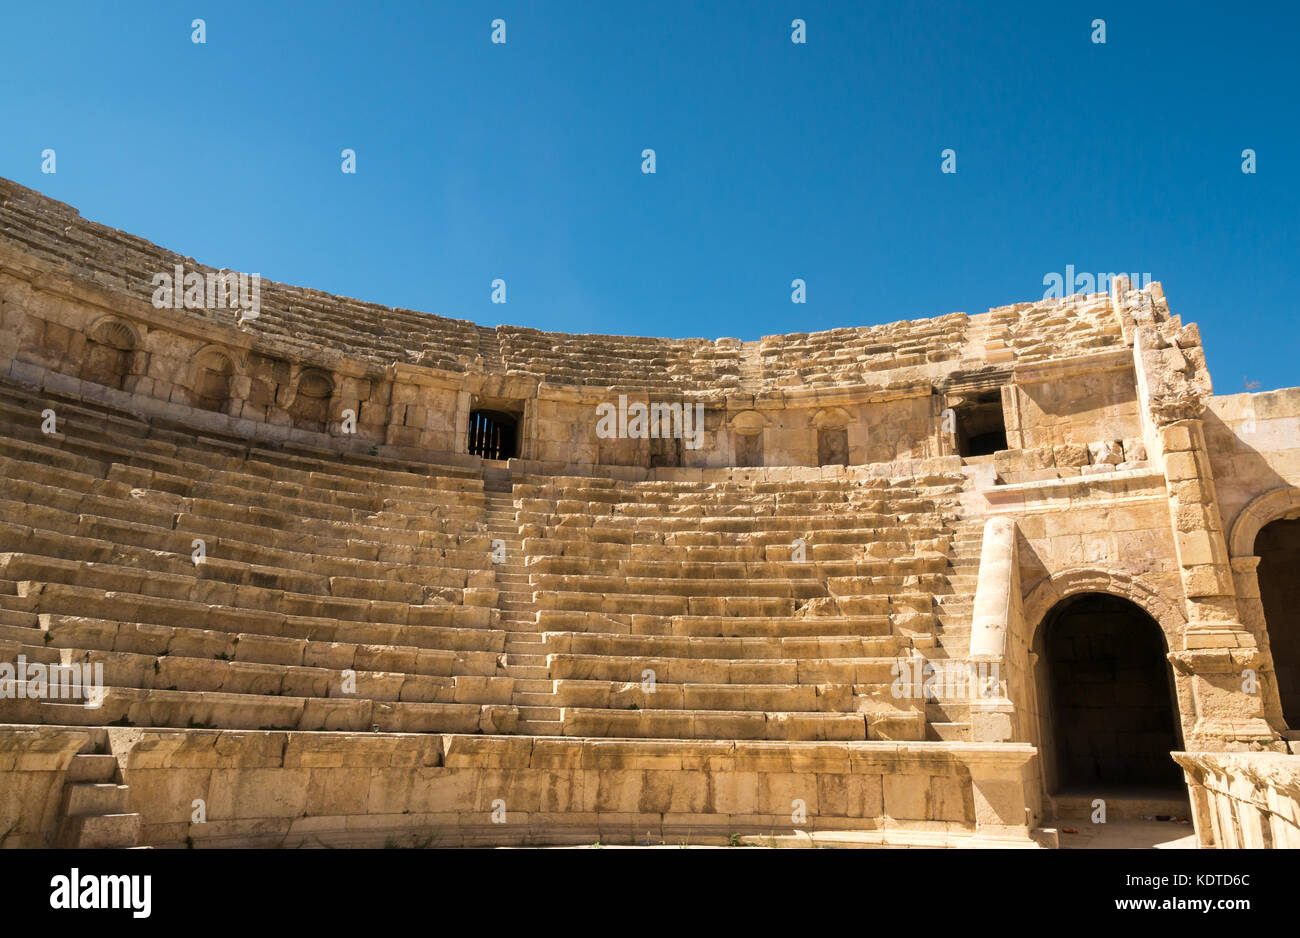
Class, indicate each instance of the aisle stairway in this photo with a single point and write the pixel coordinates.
(95, 809)
(525, 663)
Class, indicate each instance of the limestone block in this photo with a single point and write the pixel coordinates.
(1070, 455)
(1106, 452)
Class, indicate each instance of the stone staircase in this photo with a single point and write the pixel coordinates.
(954, 609)
(489, 349)
(751, 366)
(524, 656)
(94, 813)
(949, 720)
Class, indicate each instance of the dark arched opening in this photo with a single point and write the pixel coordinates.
(492, 434)
(1111, 707)
(1278, 547)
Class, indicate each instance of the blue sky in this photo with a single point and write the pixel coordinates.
(774, 160)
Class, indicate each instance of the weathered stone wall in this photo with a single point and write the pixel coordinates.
(275, 789)
(34, 764)
(76, 306)
(1242, 800)
(1254, 444)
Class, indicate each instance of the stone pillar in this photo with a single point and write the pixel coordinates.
(464, 403)
(1218, 649)
(1245, 579)
(993, 616)
(1011, 419)
(1001, 793)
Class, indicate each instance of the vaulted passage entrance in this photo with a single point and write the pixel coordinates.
(492, 434)
(1110, 708)
(1278, 547)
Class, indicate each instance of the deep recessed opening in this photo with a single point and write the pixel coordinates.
(980, 427)
(1111, 707)
(1278, 547)
(493, 434)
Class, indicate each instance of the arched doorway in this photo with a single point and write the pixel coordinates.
(1109, 711)
(1278, 547)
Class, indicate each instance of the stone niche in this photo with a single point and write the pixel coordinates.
(747, 438)
(211, 380)
(310, 409)
(832, 426)
(109, 352)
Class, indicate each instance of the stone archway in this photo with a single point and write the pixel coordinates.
(1278, 547)
(1278, 503)
(1165, 618)
(1047, 593)
(1264, 571)
(1109, 718)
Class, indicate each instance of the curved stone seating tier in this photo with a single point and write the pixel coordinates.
(334, 594)
(1053, 329)
(347, 592)
(677, 609)
(319, 327)
(847, 356)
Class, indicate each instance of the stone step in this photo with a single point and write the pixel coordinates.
(547, 713)
(520, 671)
(524, 659)
(534, 687)
(528, 701)
(83, 798)
(949, 732)
(69, 714)
(515, 644)
(92, 767)
(13, 617)
(100, 831)
(954, 602)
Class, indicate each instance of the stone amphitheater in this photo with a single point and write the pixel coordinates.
(337, 574)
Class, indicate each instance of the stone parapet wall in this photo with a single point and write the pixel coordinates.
(340, 789)
(1244, 800)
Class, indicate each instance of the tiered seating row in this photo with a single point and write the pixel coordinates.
(678, 610)
(367, 568)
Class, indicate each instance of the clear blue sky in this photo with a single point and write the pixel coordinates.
(775, 161)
